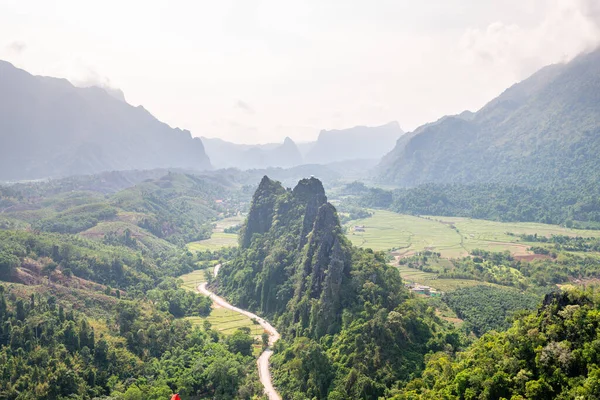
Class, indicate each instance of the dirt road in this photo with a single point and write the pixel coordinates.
(263, 360)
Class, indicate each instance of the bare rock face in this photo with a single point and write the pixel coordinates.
(262, 210)
(311, 193)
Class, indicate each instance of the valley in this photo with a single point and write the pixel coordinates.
(219, 238)
(452, 237)
(291, 243)
(263, 359)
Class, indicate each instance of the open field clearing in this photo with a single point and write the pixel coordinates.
(451, 236)
(386, 230)
(194, 278)
(219, 239)
(221, 319)
(228, 223)
(227, 321)
(411, 275)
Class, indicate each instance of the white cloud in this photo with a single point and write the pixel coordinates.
(568, 28)
(242, 105)
(16, 47)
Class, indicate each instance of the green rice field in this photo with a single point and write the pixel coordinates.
(221, 319)
(411, 275)
(451, 236)
(194, 278)
(227, 322)
(219, 239)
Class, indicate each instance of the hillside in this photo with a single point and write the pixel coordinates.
(360, 142)
(543, 130)
(349, 328)
(548, 354)
(50, 128)
(86, 319)
(225, 154)
(164, 210)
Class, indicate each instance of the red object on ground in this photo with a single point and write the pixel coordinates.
(175, 397)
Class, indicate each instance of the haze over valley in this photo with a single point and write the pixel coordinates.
(266, 200)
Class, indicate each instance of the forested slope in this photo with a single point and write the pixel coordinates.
(89, 306)
(543, 130)
(350, 329)
(549, 354)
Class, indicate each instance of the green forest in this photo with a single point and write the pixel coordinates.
(102, 316)
(92, 308)
(572, 205)
(350, 328)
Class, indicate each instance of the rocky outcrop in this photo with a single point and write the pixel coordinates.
(262, 210)
(311, 193)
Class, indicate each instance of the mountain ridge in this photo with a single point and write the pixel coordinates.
(50, 128)
(529, 133)
(359, 142)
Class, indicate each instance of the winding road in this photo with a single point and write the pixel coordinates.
(263, 360)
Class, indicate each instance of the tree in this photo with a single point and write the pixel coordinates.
(224, 376)
(8, 263)
(241, 342)
(133, 393)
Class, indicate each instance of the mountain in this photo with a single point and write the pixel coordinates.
(50, 128)
(543, 130)
(225, 154)
(349, 329)
(360, 142)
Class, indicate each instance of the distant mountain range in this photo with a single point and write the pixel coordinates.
(50, 128)
(540, 131)
(225, 154)
(335, 146)
(360, 142)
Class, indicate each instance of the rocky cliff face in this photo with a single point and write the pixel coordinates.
(325, 268)
(311, 193)
(262, 210)
(300, 257)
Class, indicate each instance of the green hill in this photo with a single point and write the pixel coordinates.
(548, 354)
(349, 328)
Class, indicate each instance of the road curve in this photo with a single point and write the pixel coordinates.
(263, 360)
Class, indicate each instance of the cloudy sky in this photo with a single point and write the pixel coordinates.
(254, 71)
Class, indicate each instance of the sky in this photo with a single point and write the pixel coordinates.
(256, 71)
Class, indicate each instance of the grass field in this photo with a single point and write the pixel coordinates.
(194, 278)
(219, 239)
(227, 321)
(411, 275)
(221, 319)
(451, 236)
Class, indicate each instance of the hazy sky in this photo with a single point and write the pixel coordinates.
(259, 70)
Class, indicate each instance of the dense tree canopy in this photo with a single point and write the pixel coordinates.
(349, 328)
(552, 353)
